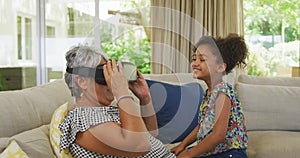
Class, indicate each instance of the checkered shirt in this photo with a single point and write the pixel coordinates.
(83, 118)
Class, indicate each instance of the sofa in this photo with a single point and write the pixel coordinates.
(26, 114)
(271, 107)
(272, 112)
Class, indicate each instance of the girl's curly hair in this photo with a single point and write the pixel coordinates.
(231, 50)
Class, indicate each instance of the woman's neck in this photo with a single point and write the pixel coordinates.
(86, 102)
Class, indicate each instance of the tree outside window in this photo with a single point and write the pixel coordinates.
(272, 34)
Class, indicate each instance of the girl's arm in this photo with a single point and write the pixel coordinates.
(191, 138)
(218, 134)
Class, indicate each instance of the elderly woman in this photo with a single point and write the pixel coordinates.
(95, 128)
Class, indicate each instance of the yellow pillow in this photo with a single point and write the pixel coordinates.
(13, 150)
(55, 133)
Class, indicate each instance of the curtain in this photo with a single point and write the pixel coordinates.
(178, 24)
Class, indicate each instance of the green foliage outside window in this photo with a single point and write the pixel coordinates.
(265, 19)
(256, 66)
(130, 48)
(266, 61)
(269, 17)
(133, 45)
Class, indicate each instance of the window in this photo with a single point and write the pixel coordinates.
(50, 31)
(24, 38)
(118, 37)
(273, 37)
(67, 23)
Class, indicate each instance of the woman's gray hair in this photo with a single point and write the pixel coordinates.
(81, 56)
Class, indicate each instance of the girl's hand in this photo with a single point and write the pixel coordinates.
(115, 78)
(140, 89)
(177, 149)
(184, 154)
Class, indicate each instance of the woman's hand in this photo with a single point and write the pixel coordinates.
(115, 78)
(131, 134)
(140, 89)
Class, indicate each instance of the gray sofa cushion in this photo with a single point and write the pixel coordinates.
(278, 81)
(269, 107)
(32, 107)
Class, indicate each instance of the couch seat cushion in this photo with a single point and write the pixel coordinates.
(273, 144)
(35, 142)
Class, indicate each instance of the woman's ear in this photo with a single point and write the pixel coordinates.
(81, 81)
(221, 67)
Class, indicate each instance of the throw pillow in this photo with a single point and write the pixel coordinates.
(55, 133)
(176, 108)
(13, 150)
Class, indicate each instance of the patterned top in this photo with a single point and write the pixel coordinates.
(83, 118)
(236, 136)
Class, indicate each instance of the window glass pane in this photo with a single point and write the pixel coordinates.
(28, 38)
(18, 58)
(124, 33)
(19, 33)
(273, 36)
(73, 23)
(50, 31)
(67, 24)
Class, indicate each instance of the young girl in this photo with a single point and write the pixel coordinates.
(221, 130)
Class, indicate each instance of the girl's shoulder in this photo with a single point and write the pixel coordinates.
(226, 88)
(223, 87)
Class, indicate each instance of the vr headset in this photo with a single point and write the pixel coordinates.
(97, 72)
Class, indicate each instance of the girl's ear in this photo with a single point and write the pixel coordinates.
(81, 81)
(221, 67)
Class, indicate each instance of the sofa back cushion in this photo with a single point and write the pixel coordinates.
(270, 107)
(32, 107)
(183, 78)
(174, 78)
(278, 81)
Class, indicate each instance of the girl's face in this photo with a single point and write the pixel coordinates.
(204, 63)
